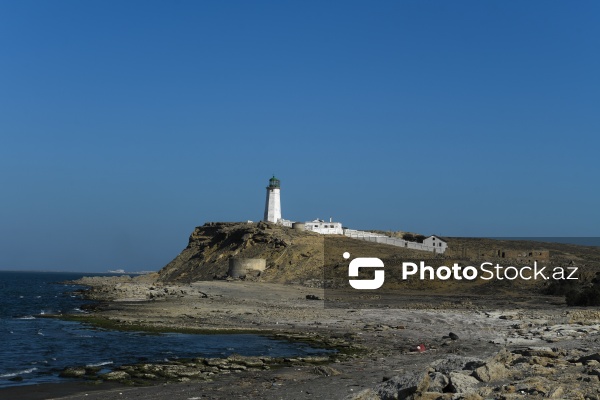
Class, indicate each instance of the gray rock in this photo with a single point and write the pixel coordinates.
(216, 362)
(403, 386)
(504, 356)
(116, 376)
(556, 393)
(69, 372)
(437, 382)
(492, 371)
(538, 351)
(367, 394)
(461, 383)
(595, 356)
(457, 363)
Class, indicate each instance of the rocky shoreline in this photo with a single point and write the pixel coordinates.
(440, 352)
(186, 370)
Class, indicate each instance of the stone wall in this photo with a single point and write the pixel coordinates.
(392, 241)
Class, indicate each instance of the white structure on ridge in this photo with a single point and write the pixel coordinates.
(438, 244)
(432, 243)
(323, 227)
(273, 203)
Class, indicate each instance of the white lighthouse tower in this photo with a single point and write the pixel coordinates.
(273, 203)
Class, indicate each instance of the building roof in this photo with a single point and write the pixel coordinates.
(436, 236)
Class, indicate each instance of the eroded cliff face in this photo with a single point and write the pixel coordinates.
(292, 256)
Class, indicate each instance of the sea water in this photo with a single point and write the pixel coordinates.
(34, 349)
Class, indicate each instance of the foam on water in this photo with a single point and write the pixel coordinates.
(100, 364)
(25, 338)
(18, 373)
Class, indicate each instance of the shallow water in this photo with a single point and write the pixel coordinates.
(36, 349)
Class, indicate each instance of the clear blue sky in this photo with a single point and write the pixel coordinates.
(125, 124)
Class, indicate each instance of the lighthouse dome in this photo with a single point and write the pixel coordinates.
(274, 182)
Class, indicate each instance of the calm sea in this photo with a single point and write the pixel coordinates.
(34, 349)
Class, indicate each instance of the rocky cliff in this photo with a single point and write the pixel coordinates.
(290, 254)
(298, 257)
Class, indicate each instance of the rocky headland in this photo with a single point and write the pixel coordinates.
(481, 341)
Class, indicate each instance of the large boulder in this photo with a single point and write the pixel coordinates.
(491, 371)
(461, 383)
(116, 376)
(456, 363)
(403, 386)
(538, 352)
(72, 372)
(437, 382)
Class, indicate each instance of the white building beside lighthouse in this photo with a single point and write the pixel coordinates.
(433, 243)
(273, 203)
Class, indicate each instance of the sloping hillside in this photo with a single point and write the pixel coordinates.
(292, 256)
(298, 257)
